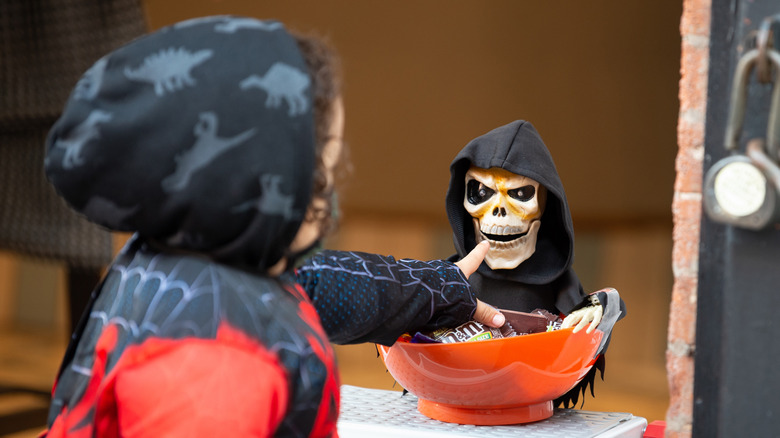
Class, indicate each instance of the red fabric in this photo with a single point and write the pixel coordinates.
(201, 390)
(327, 416)
(197, 388)
(70, 423)
(189, 387)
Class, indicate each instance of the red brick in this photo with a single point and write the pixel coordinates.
(679, 416)
(690, 132)
(693, 77)
(682, 311)
(671, 432)
(686, 207)
(689, 169)
(685, 234)
(680, 376)
(695, 18)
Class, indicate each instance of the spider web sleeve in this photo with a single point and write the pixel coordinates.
(370, 298)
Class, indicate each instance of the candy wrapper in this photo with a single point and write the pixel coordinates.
(526, 323)
(553, 321)
(471, 331)
(517, 324)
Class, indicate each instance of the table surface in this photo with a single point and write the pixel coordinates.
(378, 413)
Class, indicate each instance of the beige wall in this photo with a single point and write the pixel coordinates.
(598, 79)
(9, 267)
(32, 294)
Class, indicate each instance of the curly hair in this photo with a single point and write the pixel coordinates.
(325, 71)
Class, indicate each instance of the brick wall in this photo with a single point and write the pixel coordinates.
(686, 208)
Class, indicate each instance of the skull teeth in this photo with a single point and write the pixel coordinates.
(500, 241)
(502, 230)
(503, 237)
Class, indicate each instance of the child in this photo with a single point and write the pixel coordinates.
(214, 140)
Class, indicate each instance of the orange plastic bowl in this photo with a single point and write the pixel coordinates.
(498, 381)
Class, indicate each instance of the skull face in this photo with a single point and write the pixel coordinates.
(506, 209)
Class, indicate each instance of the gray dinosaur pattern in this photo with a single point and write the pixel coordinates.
(89, 84)
(201, 20)
(82, 134)
(175, 72)
(207, 147)
(169, 69)
(112, 214)
(282, 83)
(228, 24)
(236, 24)
(272, 201)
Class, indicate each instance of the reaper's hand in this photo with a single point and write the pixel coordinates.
(581, 317)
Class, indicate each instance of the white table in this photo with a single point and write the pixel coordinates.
(377, 413)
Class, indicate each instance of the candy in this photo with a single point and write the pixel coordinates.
(527, 323)
(553, 321)
(517, 324)
(471, 331)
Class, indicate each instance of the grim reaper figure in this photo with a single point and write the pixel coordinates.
(504, 188)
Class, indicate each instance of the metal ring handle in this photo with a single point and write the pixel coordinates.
(773, 123)
(739, 102)
(763, 69)
(739, 98)
(755, 152)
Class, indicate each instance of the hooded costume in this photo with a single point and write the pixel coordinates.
(199, 138)
(546, 280)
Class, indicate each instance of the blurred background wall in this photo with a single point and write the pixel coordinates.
(599, 81)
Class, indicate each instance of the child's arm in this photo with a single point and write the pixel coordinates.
(370, 298)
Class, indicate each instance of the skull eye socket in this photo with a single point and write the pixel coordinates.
(477, 193)
(522, 194)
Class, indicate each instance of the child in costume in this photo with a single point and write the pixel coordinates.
(505, 189)
(211, 140)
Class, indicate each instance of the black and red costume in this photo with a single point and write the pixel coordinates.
(199, 138)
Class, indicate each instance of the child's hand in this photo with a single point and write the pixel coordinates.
(471, 262)
(485, 313)
(488, 315)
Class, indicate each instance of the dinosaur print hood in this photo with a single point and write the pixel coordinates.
(199, 136)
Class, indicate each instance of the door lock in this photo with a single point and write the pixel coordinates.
(743, 189)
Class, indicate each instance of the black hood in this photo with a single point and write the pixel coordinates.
(199, 136)
(519, 149)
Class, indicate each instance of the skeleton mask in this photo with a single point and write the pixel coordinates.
(506, 209)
